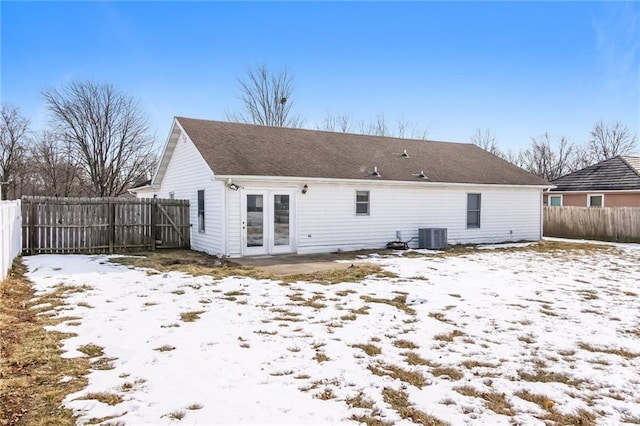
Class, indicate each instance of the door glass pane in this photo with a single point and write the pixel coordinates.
(281, 220)
(255, 221)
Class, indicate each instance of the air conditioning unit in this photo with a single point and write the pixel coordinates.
(432, 238)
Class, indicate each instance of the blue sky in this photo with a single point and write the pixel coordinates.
(517, 68)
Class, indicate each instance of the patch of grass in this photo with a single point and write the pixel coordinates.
(630, 419)
(399, 302)
(370, 420)
(282, 373)
(302, 376)
(91, 350)
(360, 401)
(494, 401)
(326, 394)
(440, 317)
(190, 316)
(349, 317)
(527, 338)
(414, 378)
(343, 293)
(452, 373)
(447, 401)
(268, 333)
(602, 349)
(405, 344)
(368, 348)
(474, 363)
(176, 415)
(173, 324)
(413, 358)
(236, 293)
(543, 376)
(84, 305)
(104, 363)
(321, 357)
(542, 401)
(31, 366)
(150, 303)
(448, 337)
(354, 274)
(399, 401)
(179, 292)
(580, 417)
(456, 295)
(104, 397)
(195, 406)
(165, 348)
(364, 310)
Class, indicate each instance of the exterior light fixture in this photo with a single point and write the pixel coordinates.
(233, 186)
(305, 188)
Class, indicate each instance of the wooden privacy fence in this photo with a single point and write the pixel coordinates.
(9, 234)
(620, 224)
(103, 225)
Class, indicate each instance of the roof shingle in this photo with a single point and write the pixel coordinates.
(252, 150)
(615, 174)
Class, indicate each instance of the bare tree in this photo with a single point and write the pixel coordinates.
(486, 140)
(549, 159)
(107, 132)
(609, 140)
(336, 123)
(13, 140)
(56, 166)
(267, 98)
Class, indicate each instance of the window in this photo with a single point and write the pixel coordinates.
(595, 200)
(555, 200)
(172, 195)
(473, 210)
(362, 203)
(201, 210)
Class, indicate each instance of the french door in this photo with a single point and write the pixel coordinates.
(267, 222)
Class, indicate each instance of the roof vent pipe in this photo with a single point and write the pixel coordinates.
(404, 153)
(375, 172)
(421, 175)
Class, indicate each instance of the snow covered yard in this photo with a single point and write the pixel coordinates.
(493, 336)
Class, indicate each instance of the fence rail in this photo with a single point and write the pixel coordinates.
(10, 243)
(621, 224)
(103, 225)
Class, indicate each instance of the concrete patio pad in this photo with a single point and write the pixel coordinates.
(291, 264)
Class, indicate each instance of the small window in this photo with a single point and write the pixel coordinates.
(362, 203)
(201, 210)
(172, 195)
(595, 200)
(555, 200)
(473, 210)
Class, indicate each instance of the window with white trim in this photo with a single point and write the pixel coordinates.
(201, 210)
(555, 200)
(473, 210)
(362, 203)
(595, 200)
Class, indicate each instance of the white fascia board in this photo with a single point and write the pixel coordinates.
(296, 179)
(167, 151)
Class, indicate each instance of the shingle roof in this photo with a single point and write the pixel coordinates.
(251, 150)
(617, 173)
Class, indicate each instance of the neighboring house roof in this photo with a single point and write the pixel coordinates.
(615, 174)
(233, 149)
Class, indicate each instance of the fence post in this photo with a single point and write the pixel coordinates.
(112, 225)
(154, 213)
(33, 213)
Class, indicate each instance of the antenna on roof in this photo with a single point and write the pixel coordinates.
(404, 153)
(375, 172)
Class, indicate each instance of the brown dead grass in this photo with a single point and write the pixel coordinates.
(196, 264)
(494, 401)
(30, 363)
(399, 302)
(368, 348)
(414, 378)
(399, 401)
(613, 351)
(190, 316)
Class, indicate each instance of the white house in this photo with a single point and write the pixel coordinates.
(259, 190)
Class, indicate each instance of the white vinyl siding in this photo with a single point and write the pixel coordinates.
(325, 219)
(186, 174)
